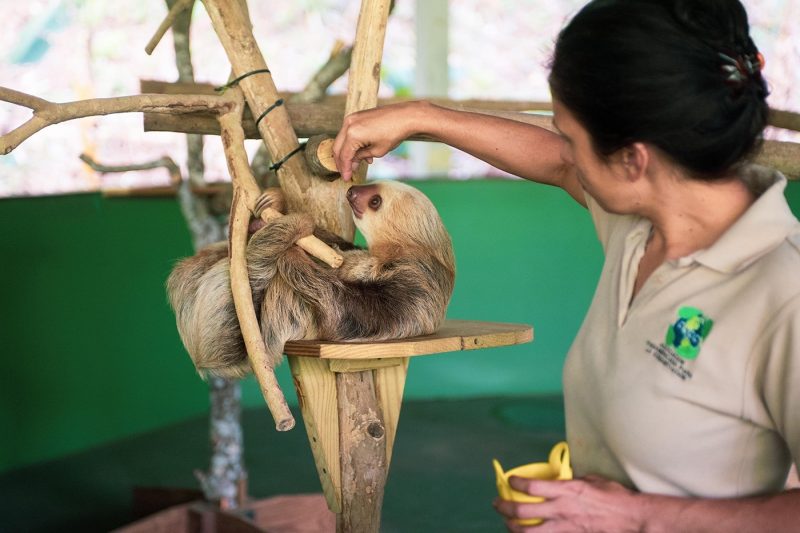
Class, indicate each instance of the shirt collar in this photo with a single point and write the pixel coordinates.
(764, 226)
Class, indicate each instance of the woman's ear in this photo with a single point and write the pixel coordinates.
(635, 159)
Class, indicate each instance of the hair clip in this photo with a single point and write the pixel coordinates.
(741, 67)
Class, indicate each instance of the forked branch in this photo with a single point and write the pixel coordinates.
(46, 113)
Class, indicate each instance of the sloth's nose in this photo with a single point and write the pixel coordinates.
(351, 193)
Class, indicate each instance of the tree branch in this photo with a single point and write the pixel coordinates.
(50, 113)
(333, 69)
(168, 190)
(23, 99)
(168, 21)
(164, 162)
(245, 194)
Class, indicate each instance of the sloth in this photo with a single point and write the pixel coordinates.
(398, 287)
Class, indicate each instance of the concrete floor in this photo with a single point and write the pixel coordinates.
(441, 477)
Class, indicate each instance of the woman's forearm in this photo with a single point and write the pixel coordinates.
(599, 505)
(521, 149)
(774, 513)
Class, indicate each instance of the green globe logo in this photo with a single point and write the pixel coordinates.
(687, 334)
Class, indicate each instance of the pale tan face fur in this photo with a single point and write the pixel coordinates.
(391, 212)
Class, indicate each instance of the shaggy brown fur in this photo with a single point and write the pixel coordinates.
(399, 287)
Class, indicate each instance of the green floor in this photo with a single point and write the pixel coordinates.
(440, 480)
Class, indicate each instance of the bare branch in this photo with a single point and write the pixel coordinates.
(15, 137)
(164, 162)
(246, 192)
(22, 99)
(49, 113)
(179, 7)
(332, 70)
(201, 214)
(161, 191)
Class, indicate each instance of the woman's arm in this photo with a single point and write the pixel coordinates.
(599, 505)
(521, 149)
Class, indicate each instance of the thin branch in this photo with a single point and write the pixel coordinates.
(164, 162)
(161, 191)
(168, 21)
(245, 196)
(246, 192)
(333, 69)
(23, 99)
(15, 137)
(200, 214)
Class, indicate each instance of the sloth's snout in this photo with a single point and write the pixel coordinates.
(353, 199)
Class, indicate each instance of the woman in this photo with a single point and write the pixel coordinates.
(680, 388)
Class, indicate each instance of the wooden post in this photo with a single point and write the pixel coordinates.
(362, 446)
(365, 67)
(362, 429)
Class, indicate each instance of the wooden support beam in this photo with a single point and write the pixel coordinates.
(338, 99)
(362, 428)
(362, 448)
(390, 382)
(784, 119)
(326, 119)
(317, 396)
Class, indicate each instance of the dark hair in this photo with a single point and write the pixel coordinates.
(651, 71)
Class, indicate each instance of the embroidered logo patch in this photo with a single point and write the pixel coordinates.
(687, 334)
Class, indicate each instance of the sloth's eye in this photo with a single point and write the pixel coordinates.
(375, 202)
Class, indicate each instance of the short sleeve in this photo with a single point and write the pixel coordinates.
(781, 378)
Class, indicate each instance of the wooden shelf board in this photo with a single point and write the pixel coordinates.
(453, 336)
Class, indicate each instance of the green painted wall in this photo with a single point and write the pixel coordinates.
(89, 348)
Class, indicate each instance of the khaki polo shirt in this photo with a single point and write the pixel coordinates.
(694, 388)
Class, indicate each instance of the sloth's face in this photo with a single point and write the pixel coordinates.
(364, 199)
(367, 203)
(394, 212)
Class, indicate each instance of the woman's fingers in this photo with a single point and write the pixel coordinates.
(366, 135)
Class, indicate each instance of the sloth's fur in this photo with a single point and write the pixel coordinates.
(399, 287)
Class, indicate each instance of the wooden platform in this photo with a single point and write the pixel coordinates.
(453, 336)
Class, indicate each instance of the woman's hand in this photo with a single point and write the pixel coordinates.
(587, 504)
(373, 133)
